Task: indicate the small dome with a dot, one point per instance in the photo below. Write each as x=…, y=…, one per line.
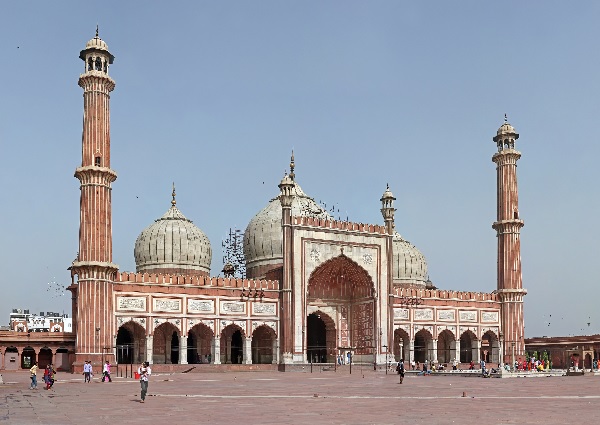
x=263, y=238
x=409, y=266
x=387, y=194
x=173, y=245
x=96, y=43
x=506, y=128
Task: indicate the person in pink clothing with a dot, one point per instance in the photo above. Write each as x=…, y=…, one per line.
x=106, y=372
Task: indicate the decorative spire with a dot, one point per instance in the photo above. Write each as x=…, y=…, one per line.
x=97, y=31
x=173, y=202
x=505, y=118
x=292, y=165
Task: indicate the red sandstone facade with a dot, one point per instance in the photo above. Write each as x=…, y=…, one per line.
x=337, y=290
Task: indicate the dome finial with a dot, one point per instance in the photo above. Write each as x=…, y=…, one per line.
x=97, y=31
x=292, y=166
x=173, y=202
x=505, y=118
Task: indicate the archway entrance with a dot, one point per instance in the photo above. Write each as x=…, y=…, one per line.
x=200, y=341
x=45, y=357
x=446, y=351
x=263, y=339
x=131, y=343
x=467, y=340
x=423, y=346
x=345, y=291
x=318, y=345
x=27, y=358
x=232, y=345
x=165, y=344
x=490, y=349
x=401, y=345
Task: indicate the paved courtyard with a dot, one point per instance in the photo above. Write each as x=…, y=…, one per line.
x=302, y=398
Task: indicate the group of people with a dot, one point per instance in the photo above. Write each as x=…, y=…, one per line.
x=88, y=372
x=49, y=376
x=143, y=372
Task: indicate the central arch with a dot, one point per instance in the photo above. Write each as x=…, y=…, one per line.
x=346, y=292
x=320, y=338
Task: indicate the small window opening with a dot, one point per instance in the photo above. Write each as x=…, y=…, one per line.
x=98, y=64
x=98, y=161
x=90, y=64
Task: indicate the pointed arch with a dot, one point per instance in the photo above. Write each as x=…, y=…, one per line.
x=340, y=278
x=490, y=347
x=263, y=341
x=446, y=346
x=467, y=345
x=131, y=343
x=200, y=342
x=232, y=344
x=165, y=344
x=423, y=346
x=401, y=345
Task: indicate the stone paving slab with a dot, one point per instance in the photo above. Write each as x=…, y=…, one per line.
x=302, y=398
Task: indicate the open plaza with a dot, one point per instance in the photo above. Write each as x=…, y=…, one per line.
x=321, y=397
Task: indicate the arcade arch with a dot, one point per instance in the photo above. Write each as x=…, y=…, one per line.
x=200, y=343
x=131, y=343
x=423, y=346
x=263, y=345
x=165, y=344
x=232, y=345
x=401, y=345
x=446, y=344
x=468, y=343
x=490, y=348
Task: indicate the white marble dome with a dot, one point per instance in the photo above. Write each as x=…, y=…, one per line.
x=173, y=245
x=409, y=266
x=96, y=43
x=263, y=237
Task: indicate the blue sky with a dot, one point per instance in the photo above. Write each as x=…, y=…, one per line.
x=215, y=95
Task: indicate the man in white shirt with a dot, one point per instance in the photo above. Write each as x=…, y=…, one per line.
x=144, y=371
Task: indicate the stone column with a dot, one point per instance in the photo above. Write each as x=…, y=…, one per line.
x=149, y=349
x=434, y=353
x=247, y=351
x=412, y=351
x=216, y=350
x=457, y=350
x=183, y=350
x=477, y=351
x=275, y=359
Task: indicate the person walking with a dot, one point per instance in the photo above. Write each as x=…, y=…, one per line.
x=33, y=372
x=400, y=369
x=87, y=371
x=144, y=371
x=106, y=372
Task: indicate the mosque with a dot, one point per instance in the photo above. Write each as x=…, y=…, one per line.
x=317, y=290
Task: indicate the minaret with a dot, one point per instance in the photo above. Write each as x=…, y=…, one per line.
x=93, y=305
x=286, y=337
x=388, y=210
x=508, y=227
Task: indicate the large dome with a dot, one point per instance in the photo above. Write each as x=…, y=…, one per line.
x=263, y=237
x=409, y=266
x=173, y=245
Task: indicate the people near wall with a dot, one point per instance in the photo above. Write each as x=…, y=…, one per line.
x=87, y=371
x=454, y=364
x=144, y=372
x=33, y=374
x=106, y=372
x=49, y=376
x=412, y=365
x=471, y=365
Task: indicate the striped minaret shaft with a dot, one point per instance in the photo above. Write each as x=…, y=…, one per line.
x=94, y=321
x=508, y=228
